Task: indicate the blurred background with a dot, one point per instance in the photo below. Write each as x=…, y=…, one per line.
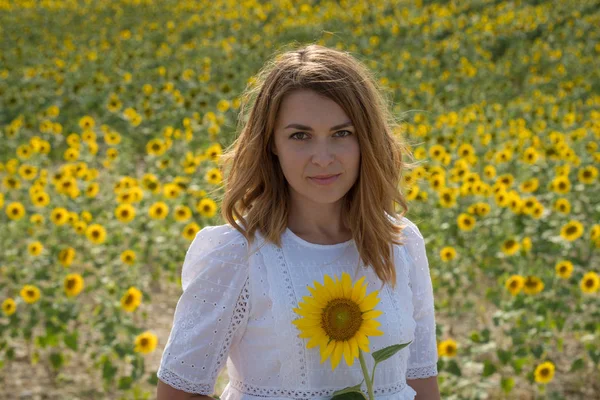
x=113, y=115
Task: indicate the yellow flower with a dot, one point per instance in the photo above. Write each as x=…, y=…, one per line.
x=339, y=317
x=125, y=212
x=514, y=284
x=158, y=210
x=544, y=372
x=590, y=282
x=73, y=284
x=190, y=230
x=30, y=294
x=510, y=247
x=156, y=147
x=87, y=122
x=564, y=269
x=96, y=233
x=182, y=213
x=207, y=207
x=66, y=256
x=572, y=230
x=533, y=285
x=59, y=216
x=448, y=253
x=587, y=175
x=145, y=342
x=465, y=222
x=213, y=176
x=15, y=211
x=35, y=248
x=447, y=348
x=9, y=306
x=132, y=299
x=171, y=190
x=213, y=152
x=128, y=257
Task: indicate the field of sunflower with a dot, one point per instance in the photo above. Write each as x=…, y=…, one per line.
x=113, y=115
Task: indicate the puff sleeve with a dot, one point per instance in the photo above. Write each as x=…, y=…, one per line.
x=211, y=313
x=422, y=361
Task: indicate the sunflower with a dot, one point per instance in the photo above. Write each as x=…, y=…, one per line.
x=514, y=284
x=145, y=342
x=447, y=348
x=544, y=372
x=572, y=230
x=73, y=284
x=125, y=212
x=190, y=230
x=132, y=299
x=9, y=306
x=448, y=253
x=510, y=247
x=533, y=285
x=96, y=233
x=339, y=317
x=564, y=269
x=207, y=207
x=59, y=216
x=590, y=282
x=30, y=294
x=158, y=210
x=66, y=256
x=465, y=222
x=35, y=248
x=128, y=257
x=15, y=210
x=182, y=213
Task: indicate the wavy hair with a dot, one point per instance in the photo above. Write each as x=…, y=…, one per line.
x=256, y=192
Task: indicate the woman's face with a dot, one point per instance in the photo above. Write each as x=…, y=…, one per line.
x=311, y=138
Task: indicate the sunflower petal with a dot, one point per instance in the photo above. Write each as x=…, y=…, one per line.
x=337, y=354
x=362, y=341
x=356, y=289
x=354, y=347
x=327, y=351
x=370, y=301
x=372, y=314
x=348, y=353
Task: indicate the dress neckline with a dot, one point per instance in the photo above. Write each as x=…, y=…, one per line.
x=298, y=239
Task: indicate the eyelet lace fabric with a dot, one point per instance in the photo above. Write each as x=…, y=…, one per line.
x=237, y=306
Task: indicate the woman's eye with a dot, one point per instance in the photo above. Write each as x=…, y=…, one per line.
x=302, y=133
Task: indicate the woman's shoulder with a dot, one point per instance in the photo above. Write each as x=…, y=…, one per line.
x=222, y=241
x=215, y=250
x=410, y=230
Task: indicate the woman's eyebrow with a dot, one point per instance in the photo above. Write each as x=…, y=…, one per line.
x=308, y=128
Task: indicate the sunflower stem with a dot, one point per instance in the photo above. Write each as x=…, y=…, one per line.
x=363, y=366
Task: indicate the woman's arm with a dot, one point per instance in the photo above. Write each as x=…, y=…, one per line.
x=426, y=388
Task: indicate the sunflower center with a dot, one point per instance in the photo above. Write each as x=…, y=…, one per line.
x=341, y=319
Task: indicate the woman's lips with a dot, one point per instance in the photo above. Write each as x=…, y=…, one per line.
x=325, y=181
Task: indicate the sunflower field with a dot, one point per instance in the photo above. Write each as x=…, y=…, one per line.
x=113, y=115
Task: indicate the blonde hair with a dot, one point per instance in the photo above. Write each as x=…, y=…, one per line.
x=256, y=192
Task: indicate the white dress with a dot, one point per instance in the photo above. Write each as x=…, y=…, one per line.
x=238, y=313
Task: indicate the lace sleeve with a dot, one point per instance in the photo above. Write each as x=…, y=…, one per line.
x=422, y=362
x=211, y=313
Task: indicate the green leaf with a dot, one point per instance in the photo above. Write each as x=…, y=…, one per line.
x=504, y=356
x=488, y=368
x=518, y=363
x=350, y=396
x=71, y=341
x=108, y=370
x=537, y=351
x=387, y=352
x=57, y=360
x=577, y=365
x=507, y=384
x=125, y=382
x=453, y=368
x=351, y=392
x=153, y=379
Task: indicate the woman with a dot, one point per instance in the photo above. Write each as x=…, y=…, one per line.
x=313, y=180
